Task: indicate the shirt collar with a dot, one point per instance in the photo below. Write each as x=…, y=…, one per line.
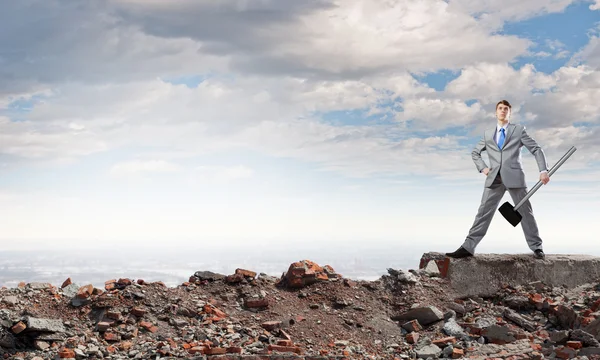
x=505, y=126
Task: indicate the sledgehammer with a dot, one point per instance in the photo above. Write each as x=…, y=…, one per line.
x=511, y=214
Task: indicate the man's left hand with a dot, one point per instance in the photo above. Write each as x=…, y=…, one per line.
x=544, y=178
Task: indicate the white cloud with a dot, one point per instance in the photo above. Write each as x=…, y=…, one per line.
x=437, y=114
x=33, y=140
x=589, y=55
x=493, y=13
x=595, y=6
x=126, y=41
x=491, y=82
x=135, y=167
x=220, y=174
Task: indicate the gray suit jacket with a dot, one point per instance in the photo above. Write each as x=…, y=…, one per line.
x=507, y=160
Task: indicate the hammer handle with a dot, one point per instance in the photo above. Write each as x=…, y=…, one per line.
x=540, y=183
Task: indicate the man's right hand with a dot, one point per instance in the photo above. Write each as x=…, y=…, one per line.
x=485, y=171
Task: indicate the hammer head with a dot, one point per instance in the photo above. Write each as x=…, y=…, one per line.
x=509, y=213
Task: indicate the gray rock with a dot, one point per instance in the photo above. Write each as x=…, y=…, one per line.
x=519, y=320
x=559, y=337
x=449, y=314
x=485, y=322
x=427, y=351
x=7, y=340
x=47, y=325
x=432, y=269
x=70, y=290
x=499, y=334
x=77, y=302
x=518, y=302
x=451, y=328
x=406, y=277
x=589, y=351
x=456, y=307
x=41, y=345
x=39, y=286
x=424, y=315
x=11, y=300
x=208, y=275
x=586, y=339
x=447, y=352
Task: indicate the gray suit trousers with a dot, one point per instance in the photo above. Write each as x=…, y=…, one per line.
x=489, y=204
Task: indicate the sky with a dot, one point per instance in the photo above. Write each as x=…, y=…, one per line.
x=174, y=124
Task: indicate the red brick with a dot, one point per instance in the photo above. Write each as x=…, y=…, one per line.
x=148, y=326
x=457, y=353
x=536, y=347
x=412, y=325
x=444, y=341
x=280, y=348
x=124, y=281
x=103, y=326
x=285, y=342
x=256, y=303
x=215, y=351
x=271, y=325
x=412, y=338
x=587, y=320
x=20, y=326
x=138, y=311
x=113, y=314
x=84, y=292
x=197, y=350
x=111, y=336
x=564, y=352
x=443, y=266
x=66, y=283
x=245, y=273
x=595, y=305
x=234, y=350
x=66, y=354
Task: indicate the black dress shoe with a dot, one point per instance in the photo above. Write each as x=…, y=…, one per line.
x=460, y=253
x=539, y=254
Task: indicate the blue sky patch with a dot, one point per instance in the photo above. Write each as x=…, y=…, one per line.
x=191, y=81
x=558, y=34
x=437, y=80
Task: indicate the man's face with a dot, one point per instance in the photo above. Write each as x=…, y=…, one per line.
x=502, y=112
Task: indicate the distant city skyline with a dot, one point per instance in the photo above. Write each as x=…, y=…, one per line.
x=179, y=123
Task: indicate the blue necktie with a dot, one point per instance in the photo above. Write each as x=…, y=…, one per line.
x=501, y=140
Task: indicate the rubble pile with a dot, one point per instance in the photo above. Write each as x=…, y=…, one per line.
x=310, y=312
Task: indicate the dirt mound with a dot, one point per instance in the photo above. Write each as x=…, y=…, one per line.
x=310, y=312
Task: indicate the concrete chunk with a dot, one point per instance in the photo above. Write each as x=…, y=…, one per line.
x=485, y=274
x=49, y=325
x=424, y=315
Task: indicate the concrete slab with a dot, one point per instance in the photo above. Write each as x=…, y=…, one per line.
x=484, y=274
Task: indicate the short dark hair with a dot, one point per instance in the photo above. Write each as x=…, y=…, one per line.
x=503, y=102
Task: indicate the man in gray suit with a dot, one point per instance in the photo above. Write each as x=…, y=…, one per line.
x=503, y=145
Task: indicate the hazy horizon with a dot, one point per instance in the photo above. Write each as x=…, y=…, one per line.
x=365, y=260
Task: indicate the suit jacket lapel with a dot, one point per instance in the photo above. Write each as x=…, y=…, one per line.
x=490, y=135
